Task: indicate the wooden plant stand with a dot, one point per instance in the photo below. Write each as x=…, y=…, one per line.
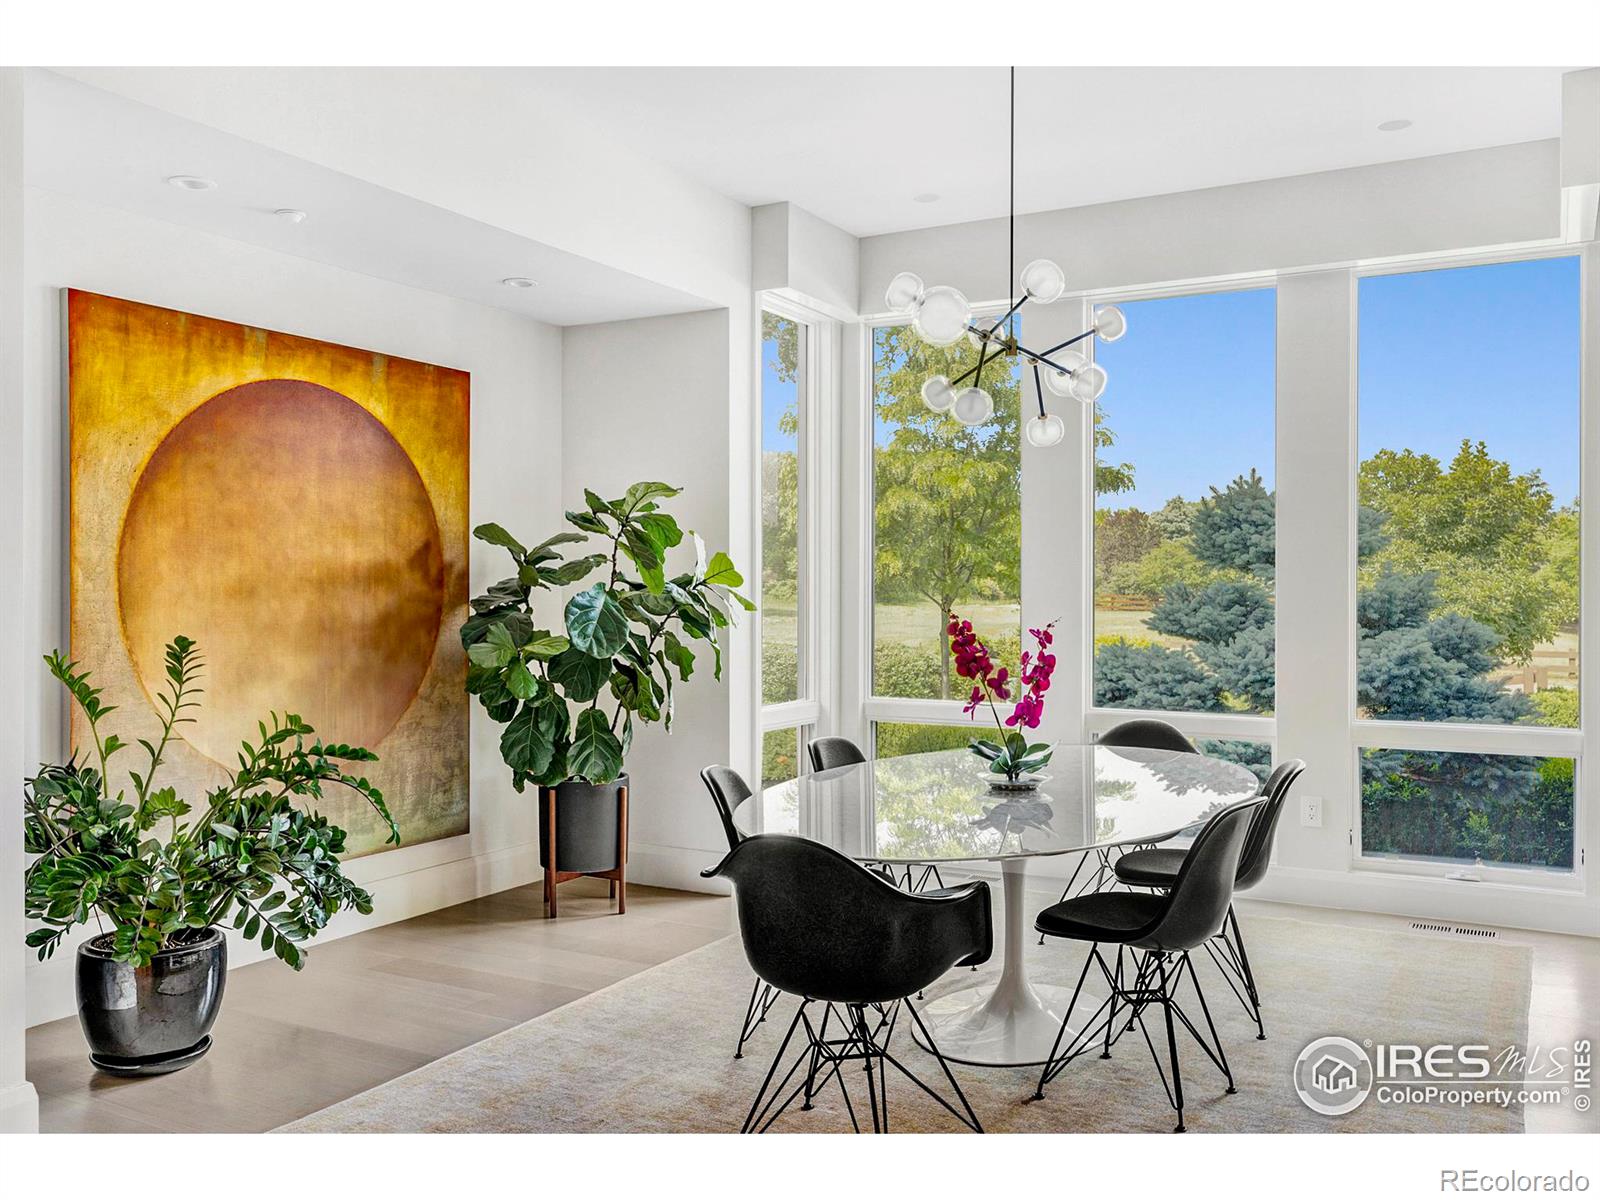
x=618, y=875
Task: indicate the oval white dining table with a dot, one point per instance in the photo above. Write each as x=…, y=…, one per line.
x=942, y=808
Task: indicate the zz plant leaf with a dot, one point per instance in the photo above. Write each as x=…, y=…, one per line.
x=570, y=700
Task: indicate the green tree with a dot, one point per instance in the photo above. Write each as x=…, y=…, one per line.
x=948, y=496
x=1498, y=548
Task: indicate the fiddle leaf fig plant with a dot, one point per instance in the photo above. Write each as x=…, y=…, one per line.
x=152, y=870
x=569, y=699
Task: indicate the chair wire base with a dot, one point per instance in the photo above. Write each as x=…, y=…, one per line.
x=846, y=1033
x=1156, y=976
x=762, y=997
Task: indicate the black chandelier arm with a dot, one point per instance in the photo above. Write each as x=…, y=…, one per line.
x=1072, y=341
x=1038, y=386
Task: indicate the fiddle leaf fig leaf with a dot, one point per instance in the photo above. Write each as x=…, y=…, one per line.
x=547, y=647
x=596, y=753
x=663, y=530
x=579, y=675
x=528, y=742
x=495, y=535
x=520, y=681
x=596, y=623
x=587, y=521
x=640, y=492
x=720, y=572
x=496, y=650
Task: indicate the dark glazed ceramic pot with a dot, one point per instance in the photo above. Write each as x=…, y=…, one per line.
x=586, y=825
x=155, y=1019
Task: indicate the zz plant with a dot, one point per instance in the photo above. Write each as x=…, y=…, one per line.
x=569, y=700
x=248, y=854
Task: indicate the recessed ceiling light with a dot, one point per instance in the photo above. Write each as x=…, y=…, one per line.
x=1395, y=126
x=192, y=183
x=926, y=197
x=292, y=215
x=518, y=281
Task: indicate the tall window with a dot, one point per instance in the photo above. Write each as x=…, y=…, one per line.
x=947, y=517
x=1467, y=573
x=783, y=604
x=1185, y=513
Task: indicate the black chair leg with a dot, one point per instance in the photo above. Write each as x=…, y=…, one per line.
x=756, y=1109
x=1249, y=975
x=762, y=997
x=1172, y=1043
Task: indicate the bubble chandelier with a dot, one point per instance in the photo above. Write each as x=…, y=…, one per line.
x=942, y=316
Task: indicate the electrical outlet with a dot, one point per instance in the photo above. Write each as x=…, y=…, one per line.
x=1311, y=812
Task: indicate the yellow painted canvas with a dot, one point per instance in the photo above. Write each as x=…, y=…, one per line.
x=300, y=510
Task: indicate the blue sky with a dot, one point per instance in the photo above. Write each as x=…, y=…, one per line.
x=1485, y=352
x=776, y=396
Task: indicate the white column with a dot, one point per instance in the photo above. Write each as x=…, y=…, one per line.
x=19, y=1107
x=1057, y=516
x=1316, y=547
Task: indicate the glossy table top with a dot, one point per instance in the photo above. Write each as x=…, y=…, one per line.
x=941, y=807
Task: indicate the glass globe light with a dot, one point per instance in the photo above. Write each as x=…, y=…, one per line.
x=1046, y=431
x=1043, y=281
x=1109, y=323
x=1088, y=382
x=937, y=393
x=973, y=406
x=943, y=317
x=1058, y=382
x=904, y=293
x=1068, y=360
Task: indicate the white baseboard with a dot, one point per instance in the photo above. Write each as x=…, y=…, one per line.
x=19, y=1109
x=52, y=991
x=1435, y=899
x=674, y=867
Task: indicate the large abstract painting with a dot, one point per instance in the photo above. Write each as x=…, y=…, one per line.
x=297, y=508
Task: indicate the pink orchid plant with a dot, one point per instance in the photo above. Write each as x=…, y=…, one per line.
x=1012, y=755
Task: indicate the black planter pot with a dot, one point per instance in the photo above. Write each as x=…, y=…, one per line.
x=583, y=830
x=155, y=1019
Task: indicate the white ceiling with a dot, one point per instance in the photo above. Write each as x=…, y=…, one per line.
x=855, y=145
x=108, y=150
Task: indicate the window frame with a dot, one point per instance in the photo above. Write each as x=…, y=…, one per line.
x=1477, y=737
x=1097, y=720
x=817, y=394
x=874, y=708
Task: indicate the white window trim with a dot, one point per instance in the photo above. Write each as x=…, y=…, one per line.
x=1489, y=739
x=815, y=600
x=870, y=705
x=1253, y=727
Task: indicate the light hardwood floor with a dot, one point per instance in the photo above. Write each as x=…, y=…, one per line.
x=373, y=1006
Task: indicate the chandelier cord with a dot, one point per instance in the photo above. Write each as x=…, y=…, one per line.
x=1011, y=278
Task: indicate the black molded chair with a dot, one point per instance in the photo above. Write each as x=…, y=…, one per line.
x=1142, y=733
x=1149, y=734
x=1153, y=933
x=819, y=926
x=1159, y=867
x=729, y=790
x=828, y=753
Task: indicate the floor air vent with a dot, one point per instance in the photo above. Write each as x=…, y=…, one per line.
x=1457, y=930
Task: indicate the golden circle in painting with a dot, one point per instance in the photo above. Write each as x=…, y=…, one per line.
x=283, y=528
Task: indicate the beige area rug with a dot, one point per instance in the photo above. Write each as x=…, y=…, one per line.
x=653, y=1053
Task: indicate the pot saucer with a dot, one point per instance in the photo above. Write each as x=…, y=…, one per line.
x=155, y=1064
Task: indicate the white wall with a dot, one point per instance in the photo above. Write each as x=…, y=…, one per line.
x=515, y=477
x=1482, y=198
x=19, y=1107
x=651, y=399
